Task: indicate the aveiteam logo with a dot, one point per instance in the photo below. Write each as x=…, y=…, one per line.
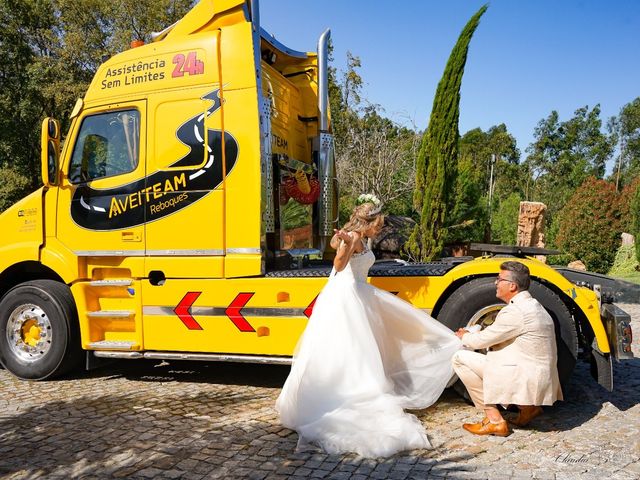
x=163, y=192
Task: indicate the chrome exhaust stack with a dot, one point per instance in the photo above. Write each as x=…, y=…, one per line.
x=323, y=80
x=328, y=201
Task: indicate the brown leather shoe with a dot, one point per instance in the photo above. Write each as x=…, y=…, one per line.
x=527, y=413
x=487, y=428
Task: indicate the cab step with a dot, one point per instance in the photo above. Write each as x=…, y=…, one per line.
x=111, y=282
x=111, y=314
x=113, y=345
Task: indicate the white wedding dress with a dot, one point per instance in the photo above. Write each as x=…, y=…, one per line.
x=364, y=357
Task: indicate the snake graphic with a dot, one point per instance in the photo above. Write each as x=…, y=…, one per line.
x=149, y=199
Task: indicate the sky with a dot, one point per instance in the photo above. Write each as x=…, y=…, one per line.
x=526, y=58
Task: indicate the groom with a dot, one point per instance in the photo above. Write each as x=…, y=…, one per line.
x=520, y=365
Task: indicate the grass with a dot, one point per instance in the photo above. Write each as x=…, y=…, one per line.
x=627, y=277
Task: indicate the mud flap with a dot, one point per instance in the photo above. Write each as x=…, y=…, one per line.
x=602, y=368
x=92, y=362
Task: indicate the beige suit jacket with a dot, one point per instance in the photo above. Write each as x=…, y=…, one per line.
x=521, y=362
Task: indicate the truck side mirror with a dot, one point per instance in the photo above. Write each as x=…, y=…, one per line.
x=50, y=155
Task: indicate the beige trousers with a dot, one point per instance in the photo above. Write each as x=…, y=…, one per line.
x=469, y=366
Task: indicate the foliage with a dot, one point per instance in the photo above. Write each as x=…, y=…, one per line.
x=12, y=187
x=373, y=154
x=352, y=82
x=590, y=225
x=494, y=158
x=625, y=262
x=635, y=219
x=340, y=91
x=49, y=52
x=504, y=222
x=626, y=265
x=626, y=130
x=468, y=217
x=375, y=157
x=480, y=146
x=25, y=28
x=551, y=232
x=627, y=208
x=629, y=277
x=435, y=167
x=564, y=154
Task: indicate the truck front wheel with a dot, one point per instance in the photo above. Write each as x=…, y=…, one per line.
x=475, y=302
x=38, y=330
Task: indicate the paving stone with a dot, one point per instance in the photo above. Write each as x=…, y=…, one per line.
x=319, y=474
x=339, y=476
x=303, y=472
x=149, y=472
x=171, y=474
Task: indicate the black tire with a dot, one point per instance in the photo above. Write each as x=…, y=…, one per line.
x=479, y=295
x=41, y=312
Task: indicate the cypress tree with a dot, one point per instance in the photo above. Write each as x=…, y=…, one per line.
x=436, y=165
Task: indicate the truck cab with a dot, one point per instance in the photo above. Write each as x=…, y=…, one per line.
x=205, y=156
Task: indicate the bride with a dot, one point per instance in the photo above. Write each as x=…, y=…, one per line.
x=364, y=357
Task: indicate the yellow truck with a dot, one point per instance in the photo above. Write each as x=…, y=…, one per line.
x=188, y=212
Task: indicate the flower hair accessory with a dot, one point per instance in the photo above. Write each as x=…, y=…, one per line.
x=370, y=198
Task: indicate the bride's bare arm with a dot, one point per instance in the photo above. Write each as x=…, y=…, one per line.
x=346, y=248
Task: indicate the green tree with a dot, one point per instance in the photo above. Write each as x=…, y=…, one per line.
x=626, y=205
x=480, y=146
x=564, y=154
x=504, y=221
x=626, y=128
x=25, y=31
x=468, y=218
x=12, y=187
x=373, y=154
x=495, y=157
x=49, y=52
x=630, y=211
x=344, y=98
x=590, y=224
x=635, y=216
x=436, y=162
x=376, y=157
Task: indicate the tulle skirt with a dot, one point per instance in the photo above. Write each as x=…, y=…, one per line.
x=365, y=356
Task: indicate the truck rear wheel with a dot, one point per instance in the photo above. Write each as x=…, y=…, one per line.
x=38, y=330
x=475, y=302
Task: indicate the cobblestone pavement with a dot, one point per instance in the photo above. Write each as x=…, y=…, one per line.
x=192, y=421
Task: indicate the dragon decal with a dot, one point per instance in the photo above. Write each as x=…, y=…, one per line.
x=163, y=192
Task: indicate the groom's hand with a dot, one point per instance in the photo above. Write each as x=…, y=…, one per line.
x=460, y=332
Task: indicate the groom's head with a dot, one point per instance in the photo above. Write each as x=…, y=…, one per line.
x=512, y=279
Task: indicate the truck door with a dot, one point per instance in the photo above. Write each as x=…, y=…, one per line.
x=185, y=178
x=101, y=197
x=187, y=165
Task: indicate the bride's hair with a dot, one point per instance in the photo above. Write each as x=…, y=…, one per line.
x=364, y=216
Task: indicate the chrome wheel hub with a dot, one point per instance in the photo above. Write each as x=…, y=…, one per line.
x=486, y=315
x=29, y=333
